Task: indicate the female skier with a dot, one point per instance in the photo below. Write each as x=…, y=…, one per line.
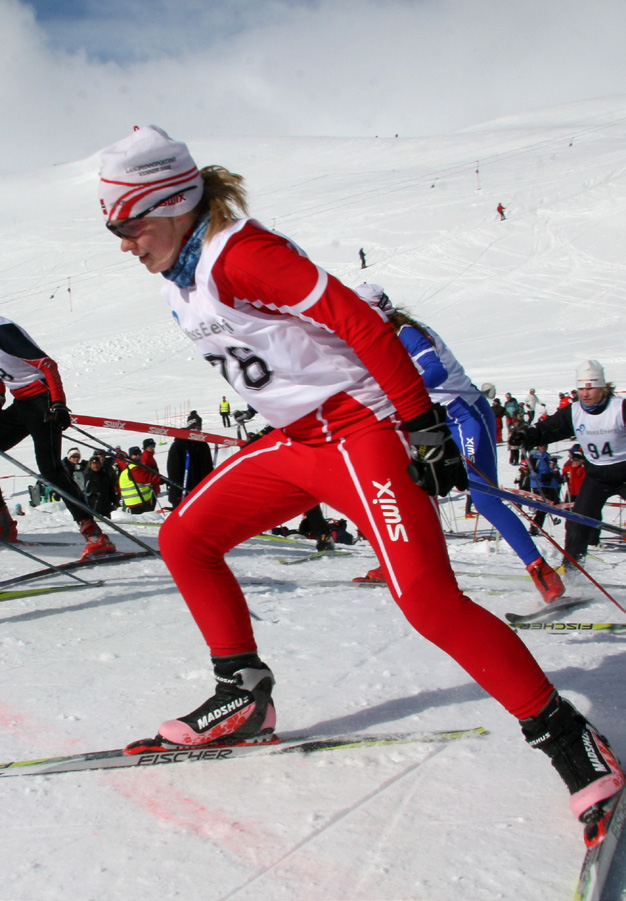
x=473, y=426
x=351, y=416
x=598, y=422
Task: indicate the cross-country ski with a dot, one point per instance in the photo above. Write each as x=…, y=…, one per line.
x=550, y=611
x=152, y=754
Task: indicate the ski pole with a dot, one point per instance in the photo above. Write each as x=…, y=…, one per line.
x=489, y=488
x=57, y=569
x=185, y=490
x=505, y=495
x=82, y=506
x=123, y=456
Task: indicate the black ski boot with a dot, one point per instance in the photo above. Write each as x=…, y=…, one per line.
x=581, y=756
x=325, y=542
x=241, y=710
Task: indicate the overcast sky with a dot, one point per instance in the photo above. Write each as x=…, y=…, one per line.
x=76, y=75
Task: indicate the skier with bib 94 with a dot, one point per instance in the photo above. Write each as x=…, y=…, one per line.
x=598, y=422
x=353, y=427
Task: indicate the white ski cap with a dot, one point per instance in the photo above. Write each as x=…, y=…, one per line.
x=590, y=374
x=375, y=296
x=145, y=169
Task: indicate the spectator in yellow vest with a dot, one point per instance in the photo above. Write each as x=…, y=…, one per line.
x=135, y=487
x=225, y=412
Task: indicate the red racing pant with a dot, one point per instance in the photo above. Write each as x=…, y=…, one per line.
x=364, y=476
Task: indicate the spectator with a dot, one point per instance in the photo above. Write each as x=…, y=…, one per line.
x=512, y=442
x=188, y=463
x=545, y=480
x=499, y=412
x=523, y=479
x=148, y=460
x=511, y=410
x=225, y=412
x=99, y=490
x=574, y=472
x=531, y=402
x=75, y=468
x=136, y=488
x=564, y=400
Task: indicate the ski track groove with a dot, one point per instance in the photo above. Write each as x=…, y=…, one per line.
x=329, y=824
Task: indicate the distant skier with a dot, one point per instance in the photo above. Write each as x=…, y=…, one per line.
x=501, y=210
x=39, y=410
x=362, y=257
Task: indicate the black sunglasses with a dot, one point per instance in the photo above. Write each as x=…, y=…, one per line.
x=126, y=229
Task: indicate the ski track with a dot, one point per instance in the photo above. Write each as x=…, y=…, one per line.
x=331, y=823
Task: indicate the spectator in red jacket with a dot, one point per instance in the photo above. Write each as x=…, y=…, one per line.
x=574, y=472
x=564, y=400
x=148, y=459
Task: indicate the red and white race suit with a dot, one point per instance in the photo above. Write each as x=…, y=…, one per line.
x=330, y=374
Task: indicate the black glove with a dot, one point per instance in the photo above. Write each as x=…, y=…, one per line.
x=437, y=463
x=243, y=415
x=2, y=400
x=526, y=437
x=60, y=415
x=256, y=435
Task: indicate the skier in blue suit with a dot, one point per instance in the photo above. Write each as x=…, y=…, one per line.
x=473, y=427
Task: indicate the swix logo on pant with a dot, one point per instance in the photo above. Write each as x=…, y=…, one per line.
x=470, y=448
x=386, y=501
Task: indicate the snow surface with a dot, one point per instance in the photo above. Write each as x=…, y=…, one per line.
x=520, y=302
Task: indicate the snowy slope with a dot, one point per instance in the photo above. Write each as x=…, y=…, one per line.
x=520, y=302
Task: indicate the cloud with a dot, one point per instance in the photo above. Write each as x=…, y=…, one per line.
x=74, y=83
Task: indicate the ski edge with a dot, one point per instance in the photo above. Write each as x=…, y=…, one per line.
x=560, y=627
x=313, y=556
x=550, y=611
x=116, y=758
x=598, y=860
x=49, y=589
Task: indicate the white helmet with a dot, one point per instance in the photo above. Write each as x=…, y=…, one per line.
x=590, y=374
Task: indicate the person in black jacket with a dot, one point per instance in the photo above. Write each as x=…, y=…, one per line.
x=99, y=489
x=39, y=409
x=598, y=422
x=188, y=462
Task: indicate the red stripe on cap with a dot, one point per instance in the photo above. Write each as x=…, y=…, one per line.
x=125, y=206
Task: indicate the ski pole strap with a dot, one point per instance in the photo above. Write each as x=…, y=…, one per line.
x=124, y=457
x=504, y=495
